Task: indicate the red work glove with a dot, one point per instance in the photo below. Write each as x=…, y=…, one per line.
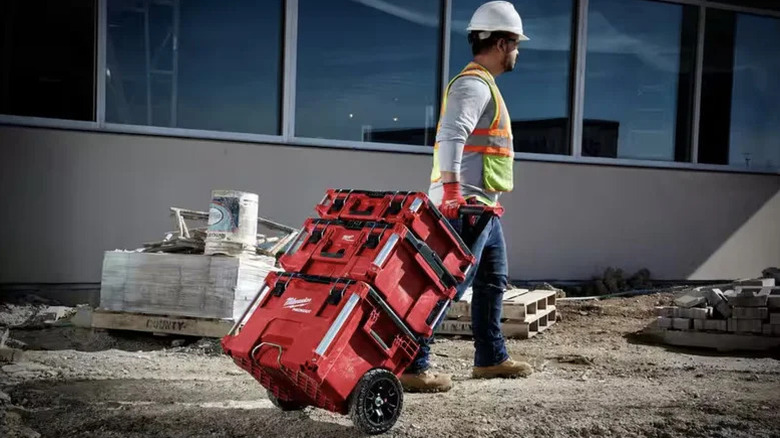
x=452, y=200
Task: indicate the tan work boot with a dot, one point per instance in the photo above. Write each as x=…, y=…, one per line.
x=426, y=381
x=508, y=368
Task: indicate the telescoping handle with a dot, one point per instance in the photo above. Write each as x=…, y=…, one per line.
x=476, y=210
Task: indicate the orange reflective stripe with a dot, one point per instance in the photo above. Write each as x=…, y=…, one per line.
x=493, y=132
x=489, y=150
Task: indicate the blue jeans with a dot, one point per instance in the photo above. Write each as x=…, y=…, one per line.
x=488, y=280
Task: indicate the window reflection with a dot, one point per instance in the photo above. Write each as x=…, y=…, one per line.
x=200, y=64
x=740, y=119
x=638, y=81
x=368, y=70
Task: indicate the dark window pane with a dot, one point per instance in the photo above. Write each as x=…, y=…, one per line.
x=199, y=64
x=760, y=4
x=368, y=70
x=740, y=120
x=638, y=80
x=47, y=58
x=537, y=91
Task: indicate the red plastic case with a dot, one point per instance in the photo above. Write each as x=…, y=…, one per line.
x=405, y=271
x=412, y=209
x=310, y=339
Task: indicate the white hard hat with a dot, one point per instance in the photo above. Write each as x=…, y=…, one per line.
x=497, y=16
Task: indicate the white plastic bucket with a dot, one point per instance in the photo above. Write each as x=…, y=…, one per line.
x=232, y=223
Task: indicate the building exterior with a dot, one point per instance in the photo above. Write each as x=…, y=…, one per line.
x=647, y=133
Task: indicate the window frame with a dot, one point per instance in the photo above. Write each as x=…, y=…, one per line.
x=288, y=81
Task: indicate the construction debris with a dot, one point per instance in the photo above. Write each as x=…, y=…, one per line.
x=190, y=238
x=747, y=311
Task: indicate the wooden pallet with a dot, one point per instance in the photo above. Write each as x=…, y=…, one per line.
x=524, y=315
x=516, y=305
x=165, y=324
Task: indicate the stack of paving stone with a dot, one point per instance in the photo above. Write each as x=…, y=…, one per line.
x=744, y=307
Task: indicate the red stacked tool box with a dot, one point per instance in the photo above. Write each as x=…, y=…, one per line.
x=310, y=340
x=363, y=284
x=412, y=209
x=404, y=270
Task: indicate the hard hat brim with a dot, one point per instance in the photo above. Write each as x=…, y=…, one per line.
x=519, y=32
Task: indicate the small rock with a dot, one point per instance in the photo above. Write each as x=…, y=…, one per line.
x=178, y=342
x=5, y=399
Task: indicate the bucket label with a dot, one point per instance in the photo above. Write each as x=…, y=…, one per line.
x=223, y=214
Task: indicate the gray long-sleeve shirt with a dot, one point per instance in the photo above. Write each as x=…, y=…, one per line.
x=467, y=100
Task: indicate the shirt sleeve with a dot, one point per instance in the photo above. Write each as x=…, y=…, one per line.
x=467, y=99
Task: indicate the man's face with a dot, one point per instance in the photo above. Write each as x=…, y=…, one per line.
x=509, y=50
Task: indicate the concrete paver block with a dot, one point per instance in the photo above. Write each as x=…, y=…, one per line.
x=771, y=329
x=745, y=325
x=698, y=324
x=691, y=299
x=718, y=301
x=750, y=313
x=720, y=325
x=666, y=312
x=760, y=282
x=664, y=322
x=682, y=323
x=774, y=318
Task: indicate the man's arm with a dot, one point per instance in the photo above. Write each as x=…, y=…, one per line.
x=468, y=97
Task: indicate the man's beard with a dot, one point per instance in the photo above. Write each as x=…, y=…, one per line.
x=509, y=64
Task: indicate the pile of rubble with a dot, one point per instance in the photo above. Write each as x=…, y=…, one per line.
x=743, y=307
x=191, y=226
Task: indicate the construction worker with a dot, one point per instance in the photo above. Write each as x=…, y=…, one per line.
x=472, y=164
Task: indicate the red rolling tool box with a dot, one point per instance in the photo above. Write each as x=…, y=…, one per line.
x=332, y=343
x=404, y=270
x=363, y=284
x=412, y=209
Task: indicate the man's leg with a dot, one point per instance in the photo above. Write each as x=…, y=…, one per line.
x=490, y=356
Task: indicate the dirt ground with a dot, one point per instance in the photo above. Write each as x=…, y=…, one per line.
x=593, y=378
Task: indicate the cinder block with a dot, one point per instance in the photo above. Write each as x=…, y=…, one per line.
x=751, y=297
x=716, y=299
x=771, y=330
x=691, y=299
x=698, y=324
x=664, y=322
x=697, y=313
x=760, y=282
x=750, y=313
x=666, y=312
x=718, y=325
x=682, y=323
x=745, y=325
x=774, y=318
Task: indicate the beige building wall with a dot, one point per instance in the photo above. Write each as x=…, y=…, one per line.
x=68, y=196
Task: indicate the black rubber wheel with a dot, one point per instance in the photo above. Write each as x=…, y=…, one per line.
x=285, y=405
x=376, y=401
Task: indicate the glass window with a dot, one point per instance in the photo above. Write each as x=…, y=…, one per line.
x=537, y=91
x=368, y=70
x=198, y=64
x=639, y=80
x=47, y=58
x=740, y=115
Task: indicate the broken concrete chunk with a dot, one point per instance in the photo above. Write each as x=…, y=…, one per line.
x=718, y=301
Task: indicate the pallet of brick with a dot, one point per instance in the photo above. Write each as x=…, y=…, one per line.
x=192, y=285
x=524, y=315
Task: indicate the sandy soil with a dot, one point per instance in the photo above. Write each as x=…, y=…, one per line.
x=592, y=379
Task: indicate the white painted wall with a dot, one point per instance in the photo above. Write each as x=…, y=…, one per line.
x=68, y=196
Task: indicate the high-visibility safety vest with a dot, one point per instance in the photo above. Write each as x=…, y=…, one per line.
x=492, y=136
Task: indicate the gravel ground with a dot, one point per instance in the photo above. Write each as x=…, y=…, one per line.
x=593, y=378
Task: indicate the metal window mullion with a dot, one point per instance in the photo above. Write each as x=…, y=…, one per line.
x=100, y=67
x=446, y=42
x=175, y=72
x=578, y=89
x=289, y=69
x=698, y=78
